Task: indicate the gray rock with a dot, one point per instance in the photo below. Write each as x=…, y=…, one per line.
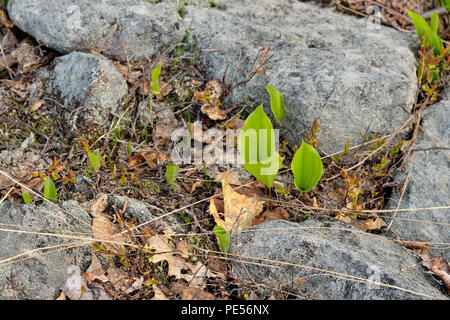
x=349, y=73
x=121, y=29
x=134, y=208
x=334, y=247
x=89, y=87
x=140, y=211
x=428, y=184
x=41, y=277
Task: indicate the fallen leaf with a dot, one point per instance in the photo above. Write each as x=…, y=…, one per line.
x=190, y=293
x=211, y=97
x=278, y=213
x=376, y=224
x=159, y=295
x=62, y=296
x=118, y=278
x=196, y=185
x=27, y=56
x=440, y=268
x=214, y=112
x=37, y=105
x=240, y=210
x=370, y=224
x=178, y=266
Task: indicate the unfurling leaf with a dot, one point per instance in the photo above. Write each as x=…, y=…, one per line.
x=256, y=144
x=50, y=190
x=307, y=167
x=171, y=173
x=223, y=238
x=276, y=103
x=155, y=80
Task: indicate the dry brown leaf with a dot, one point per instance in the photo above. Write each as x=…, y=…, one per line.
x=177, y=264
x=37, y=105
x=62, y=296
x=215, y=89
x=26, y=55
x=148, y=157
x=95, y=271
x=119, y=279
x=231, y=179
x=420, y=249
x=276, y=214
x=214, y=112
x=189, y=293
x=159, y=295
x=440, y=268
x=102, y=227
x=240, y=210
x=193, y=83
x=376, y=224
x=372, y=223
x=196, y=185
x=165, y=88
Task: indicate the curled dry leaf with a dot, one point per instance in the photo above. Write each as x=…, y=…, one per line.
x=214, y=112
x=211, y=97
x=240, y=210
x=440, y=268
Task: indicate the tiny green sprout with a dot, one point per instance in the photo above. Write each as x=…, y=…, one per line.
x=171, y=173
x=276, y=103
x=50, y=190
x=129, y=148
x=429, y=32
x=155, y=80
x=256, y=143
x=26, y=197
x=307, y=167
x=94, y=157
x=223, y=238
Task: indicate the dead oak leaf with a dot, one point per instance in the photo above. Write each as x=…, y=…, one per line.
x=177, y=264
x=239, y=210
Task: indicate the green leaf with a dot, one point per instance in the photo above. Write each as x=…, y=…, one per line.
x=431, y=33
x=155, y=80
x=276, y=103
x=256, y=144
x=129, y=148
x=94, y=159
x=223, y=238
x=446, y=4
x=307, y=167
x=171, y=173
x=420, y=23
x=50, y=190
x=26, y=197
x=434, y=22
